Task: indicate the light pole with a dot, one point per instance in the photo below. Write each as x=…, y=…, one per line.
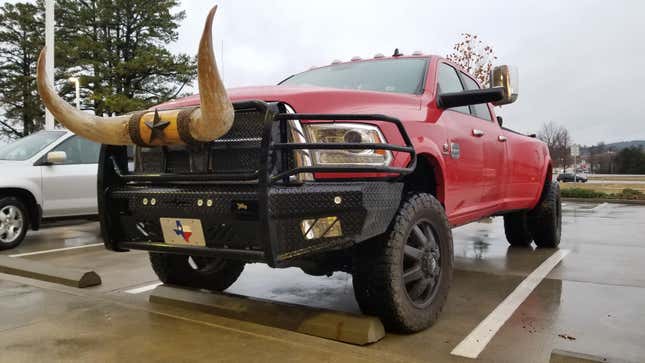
x=77, y=84
x=49, y=56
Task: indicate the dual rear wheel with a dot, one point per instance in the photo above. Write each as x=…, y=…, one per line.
x=542, y=225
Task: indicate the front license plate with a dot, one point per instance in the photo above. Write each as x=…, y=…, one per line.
x=183, y=232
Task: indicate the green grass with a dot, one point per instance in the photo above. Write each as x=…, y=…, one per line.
x=627, y=193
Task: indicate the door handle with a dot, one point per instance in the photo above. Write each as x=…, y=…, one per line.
x=478, y=133
x=502, y=138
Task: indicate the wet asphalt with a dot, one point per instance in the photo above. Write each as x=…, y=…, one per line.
x=592, y=302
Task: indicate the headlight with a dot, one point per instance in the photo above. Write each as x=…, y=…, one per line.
x=351, y=134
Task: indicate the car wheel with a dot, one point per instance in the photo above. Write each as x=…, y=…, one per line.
x=516, y=228
x=13, y=222
x=208, y=273
x=545, y=220
x=404, y=275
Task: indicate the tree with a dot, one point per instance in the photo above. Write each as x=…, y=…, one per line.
x=117, y=47
x=630, y=160
x=21, y=37
x=474, y=56
x=558, y=140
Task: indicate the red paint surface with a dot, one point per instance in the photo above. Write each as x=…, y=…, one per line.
x=489, y=176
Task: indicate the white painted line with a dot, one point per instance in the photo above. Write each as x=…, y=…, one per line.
x=145, y=288
x=599, y=206
x=56, y=250
x=479, y=338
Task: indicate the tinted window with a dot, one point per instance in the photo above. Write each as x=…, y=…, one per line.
x=391, y=75
x=29, y=146
x=80, y=151
x=481, y=110
x=449, y=81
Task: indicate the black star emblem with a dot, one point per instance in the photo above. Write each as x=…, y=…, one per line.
x=156, y=127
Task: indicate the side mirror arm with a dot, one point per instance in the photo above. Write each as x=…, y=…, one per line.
x=472, y=97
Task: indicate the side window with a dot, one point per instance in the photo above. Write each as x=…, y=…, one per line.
x=481, y=110
x=79, y=150
x=449, y=81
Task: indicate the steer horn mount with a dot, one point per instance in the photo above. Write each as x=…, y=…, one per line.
x=206, y=123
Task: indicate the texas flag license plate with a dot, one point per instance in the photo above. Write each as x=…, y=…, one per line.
x=183, y=232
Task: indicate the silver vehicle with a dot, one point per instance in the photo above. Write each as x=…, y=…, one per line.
x=47, y=175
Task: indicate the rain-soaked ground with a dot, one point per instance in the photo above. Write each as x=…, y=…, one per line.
x=592, y=302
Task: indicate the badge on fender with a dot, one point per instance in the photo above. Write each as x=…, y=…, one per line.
x=455, y=150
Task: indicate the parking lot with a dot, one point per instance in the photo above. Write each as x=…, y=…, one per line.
x=591, y=302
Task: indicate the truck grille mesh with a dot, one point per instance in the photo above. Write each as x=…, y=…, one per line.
x=236, y=151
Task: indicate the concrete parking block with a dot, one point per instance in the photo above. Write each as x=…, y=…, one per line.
x=564, y=356
x=344, y=327
x=46, y=272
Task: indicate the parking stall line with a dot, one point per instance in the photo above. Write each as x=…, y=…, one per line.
x=55, y=250
x=479, y=338
x=142, y=289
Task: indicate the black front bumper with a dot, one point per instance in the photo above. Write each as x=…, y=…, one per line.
x=236, y=226
x=242, y=187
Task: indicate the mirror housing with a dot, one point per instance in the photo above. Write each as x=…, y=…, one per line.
x=467, y=98
x=56, y=157
x=507, y=78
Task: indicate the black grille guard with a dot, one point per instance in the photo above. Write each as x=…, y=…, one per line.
x=273, y=171
x=266, y=174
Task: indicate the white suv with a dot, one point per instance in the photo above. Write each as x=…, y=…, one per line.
x=47, y=175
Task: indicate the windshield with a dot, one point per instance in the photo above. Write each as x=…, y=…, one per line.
x=29, y=146
x=404, y=75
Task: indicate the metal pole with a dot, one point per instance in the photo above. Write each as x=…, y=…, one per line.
x=78, y=94
x=77, y=85
x=49, y=56
x=575, y=151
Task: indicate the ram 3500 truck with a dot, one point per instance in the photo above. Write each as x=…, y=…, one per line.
x=362, y=167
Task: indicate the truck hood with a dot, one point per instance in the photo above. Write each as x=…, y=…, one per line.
x=319, y=100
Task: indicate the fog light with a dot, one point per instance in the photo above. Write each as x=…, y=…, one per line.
x=326, y=227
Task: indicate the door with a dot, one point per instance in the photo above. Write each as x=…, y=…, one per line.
x=69, y=187
x=494, y=145
x=463, y=152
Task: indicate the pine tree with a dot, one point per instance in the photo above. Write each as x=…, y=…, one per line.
x=118, y=47
x=21, y=37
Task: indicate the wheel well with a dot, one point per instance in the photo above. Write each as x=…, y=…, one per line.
x=547, y=181
x=426, y=178
x=30, y=202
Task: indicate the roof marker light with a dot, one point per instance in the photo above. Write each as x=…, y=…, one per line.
x=379, y=55
x=356, y=58
x=417, y=52
x=336, y=61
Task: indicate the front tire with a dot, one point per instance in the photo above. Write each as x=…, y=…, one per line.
x=213, y=274
x=545, y=220
x=404, y=275
x=13, y=222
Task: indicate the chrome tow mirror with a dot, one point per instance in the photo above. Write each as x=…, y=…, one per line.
x=507, y=78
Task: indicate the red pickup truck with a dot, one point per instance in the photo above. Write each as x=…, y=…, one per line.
x=362, y=167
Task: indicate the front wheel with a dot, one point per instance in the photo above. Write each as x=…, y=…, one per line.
x=215, y=274
x=404, y=275
x=13, y=222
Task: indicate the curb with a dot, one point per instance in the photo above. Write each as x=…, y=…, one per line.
x=565, y=356
x=46, y=272
x=600, y=200
x=340, y=326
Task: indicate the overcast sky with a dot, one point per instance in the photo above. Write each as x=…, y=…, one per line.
x=581, y=62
